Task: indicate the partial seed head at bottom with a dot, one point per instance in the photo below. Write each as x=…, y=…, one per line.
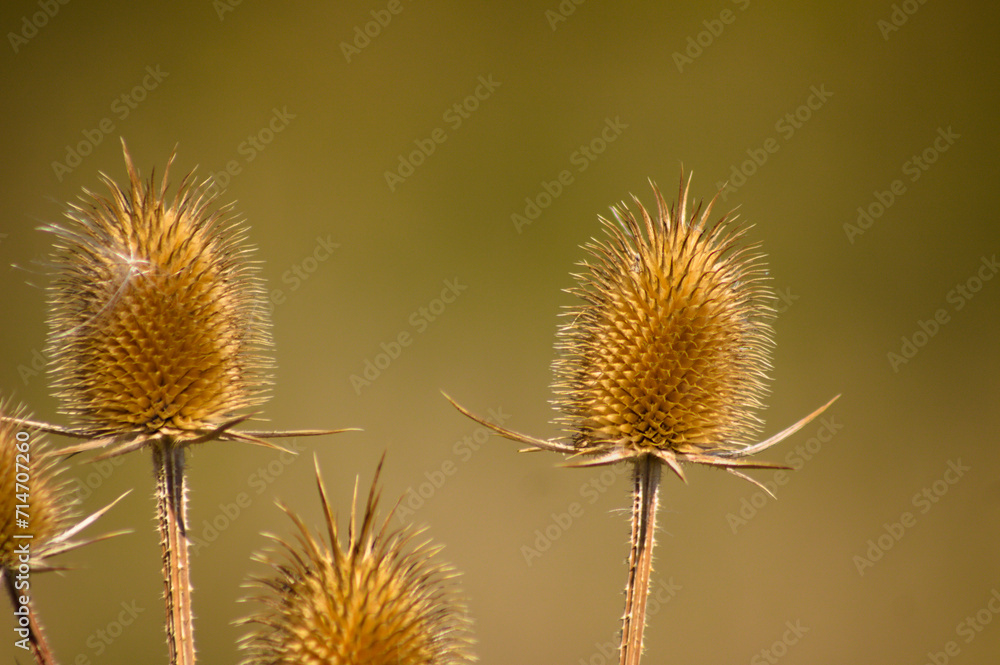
x=381, y=598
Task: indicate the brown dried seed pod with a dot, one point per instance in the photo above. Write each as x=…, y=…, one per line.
x=381, y=599
x=49, y=508
x=667, y=357
x=38, y=519
x=670, y=348
x=31, y=481
x=158, y=320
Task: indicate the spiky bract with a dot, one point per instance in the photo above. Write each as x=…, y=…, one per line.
x=670, y=349
x=157, y=317
x=381, y=599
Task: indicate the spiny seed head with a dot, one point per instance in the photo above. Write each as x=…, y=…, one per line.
x=157, y=317
x=383, y=599
x=670, y=349
x=30, y=479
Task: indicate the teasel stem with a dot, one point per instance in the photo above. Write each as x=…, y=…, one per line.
x=645, y=501
x=36, y=637
x=171, y=509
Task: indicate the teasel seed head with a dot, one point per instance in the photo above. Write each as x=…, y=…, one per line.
x=670, y=348
x=157, y=318
x=380, y=598
x=31, y=479
x=668, y=354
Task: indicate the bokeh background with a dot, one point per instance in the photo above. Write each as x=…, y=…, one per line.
x=844, y=95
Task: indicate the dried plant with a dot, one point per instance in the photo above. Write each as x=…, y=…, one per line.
x=159, y=340
x=381, y=598
x=664, y=363
x=38, y=520
x=159, y=329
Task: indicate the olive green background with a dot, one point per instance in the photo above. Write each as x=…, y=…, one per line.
x=321, y=180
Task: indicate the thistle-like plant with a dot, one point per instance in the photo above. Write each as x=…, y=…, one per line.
x=158, y=337
x=38, y=520
x=380, y=598
x=664, y=364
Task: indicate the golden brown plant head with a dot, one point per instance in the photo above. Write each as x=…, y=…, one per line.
x=158, y=320
x=667, y=357
x=669, y=351
x=31, y=490
x=380, y=599
x=29, y=472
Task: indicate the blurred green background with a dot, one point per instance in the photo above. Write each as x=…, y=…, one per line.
x=833, y=100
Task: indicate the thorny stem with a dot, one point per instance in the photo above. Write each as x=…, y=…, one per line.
x=645, y=499
x=36, y=638
x=171, y=509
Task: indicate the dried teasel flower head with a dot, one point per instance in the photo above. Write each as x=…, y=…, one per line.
x=38, y=510
x=667, y=356
x=158, y=320
x=380, y=598
x=670, y=348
